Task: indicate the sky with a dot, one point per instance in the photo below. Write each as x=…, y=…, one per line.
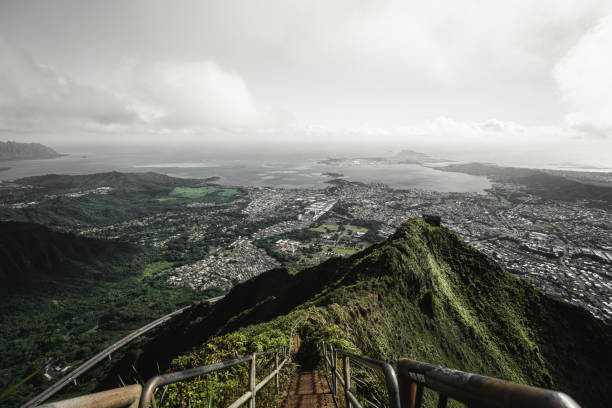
x=526, y=80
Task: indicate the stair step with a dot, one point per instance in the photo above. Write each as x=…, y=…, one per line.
x=308, y=390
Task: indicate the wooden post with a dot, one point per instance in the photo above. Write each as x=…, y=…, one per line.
x=252, y=381
x=277, y=373
x=347, y=380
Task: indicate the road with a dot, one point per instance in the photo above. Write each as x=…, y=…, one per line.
x=72, y=376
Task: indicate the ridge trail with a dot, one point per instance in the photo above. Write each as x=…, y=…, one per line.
x=308, y=390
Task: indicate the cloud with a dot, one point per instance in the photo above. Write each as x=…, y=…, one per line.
x=584, y=79
x=154, y=97
x=341, y=62
x=462, y=75
x=33, y=95
x=196, y=95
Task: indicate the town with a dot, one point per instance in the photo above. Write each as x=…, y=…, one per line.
x=562, y=247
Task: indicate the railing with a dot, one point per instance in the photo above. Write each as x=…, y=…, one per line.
x=117, y=398
x=136, y=396
x=330, y=356
x=165, y=379
x=472, y=389
x=406, y=389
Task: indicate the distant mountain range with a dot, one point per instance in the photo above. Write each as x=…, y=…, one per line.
x=26, y=151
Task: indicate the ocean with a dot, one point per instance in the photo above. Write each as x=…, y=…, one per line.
x=303, y=173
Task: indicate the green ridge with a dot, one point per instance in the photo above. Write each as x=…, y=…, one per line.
x=423, y=293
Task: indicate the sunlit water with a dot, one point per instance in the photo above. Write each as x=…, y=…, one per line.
x=297, y=174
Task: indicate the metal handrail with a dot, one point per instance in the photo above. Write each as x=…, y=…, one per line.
x=472, y=389
x=153, y=383
x=350, y=398
x=468, y=388
x=116, y=398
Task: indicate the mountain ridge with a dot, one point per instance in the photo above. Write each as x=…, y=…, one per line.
x=423, y=293
x=31, y=253
x=10, y=150
x=539, y=182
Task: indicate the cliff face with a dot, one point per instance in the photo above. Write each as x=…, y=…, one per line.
x=424, y=294
x=24, y=151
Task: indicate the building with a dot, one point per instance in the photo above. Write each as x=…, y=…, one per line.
x=433, y=220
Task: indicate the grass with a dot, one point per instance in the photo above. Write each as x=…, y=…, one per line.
x=192, y=192
x=325, y=228
x=336, y=227
x=504, y=202
x=339, y=251
x=343, y=251
x=198, y=193
x=228, y=192
x=356, y=229
x=154, y=268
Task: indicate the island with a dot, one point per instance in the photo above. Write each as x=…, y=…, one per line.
x=403, y=157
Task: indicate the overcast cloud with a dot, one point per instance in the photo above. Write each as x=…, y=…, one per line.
x=470, y=74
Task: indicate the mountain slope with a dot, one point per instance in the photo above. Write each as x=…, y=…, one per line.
x=25, y=151
x=424, y=294
x=31, y=253
x=71, y=200
x=148, y=182
x=539, y=182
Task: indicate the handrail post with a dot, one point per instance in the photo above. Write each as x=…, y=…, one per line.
x=252, y=381
x=324, y=354
x=333, y=367
x=276, y=369
x=347, y=380
x=407, y=390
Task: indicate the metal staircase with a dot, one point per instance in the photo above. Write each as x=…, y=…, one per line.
x=404, y=387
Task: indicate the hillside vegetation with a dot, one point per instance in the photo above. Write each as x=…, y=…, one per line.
x=70, y=202
x=67, y=297
x=423, y=293
x=31, y=254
